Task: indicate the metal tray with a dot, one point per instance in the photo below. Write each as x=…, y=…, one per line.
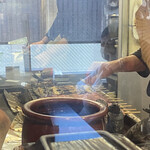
x=106, y=141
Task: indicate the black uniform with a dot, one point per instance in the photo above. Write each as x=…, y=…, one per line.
x=143, y=73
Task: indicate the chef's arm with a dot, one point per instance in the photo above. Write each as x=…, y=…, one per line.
x=126, y=64
x=129, y=64
x=105, y=69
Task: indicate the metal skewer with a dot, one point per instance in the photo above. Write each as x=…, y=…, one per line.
x=115, y=100
x=122, y=103
x=125, y=105
x=132, y=112
x=127, y=109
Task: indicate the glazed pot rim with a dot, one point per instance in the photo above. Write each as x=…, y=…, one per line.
x=31, y=114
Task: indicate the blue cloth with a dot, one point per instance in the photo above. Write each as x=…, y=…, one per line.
x=79, y=21
x=72, y=125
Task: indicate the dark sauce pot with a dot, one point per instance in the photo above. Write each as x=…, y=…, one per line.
x=54, y=115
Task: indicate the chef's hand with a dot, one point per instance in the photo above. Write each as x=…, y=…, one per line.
x=43, y=41
x=104, y=70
